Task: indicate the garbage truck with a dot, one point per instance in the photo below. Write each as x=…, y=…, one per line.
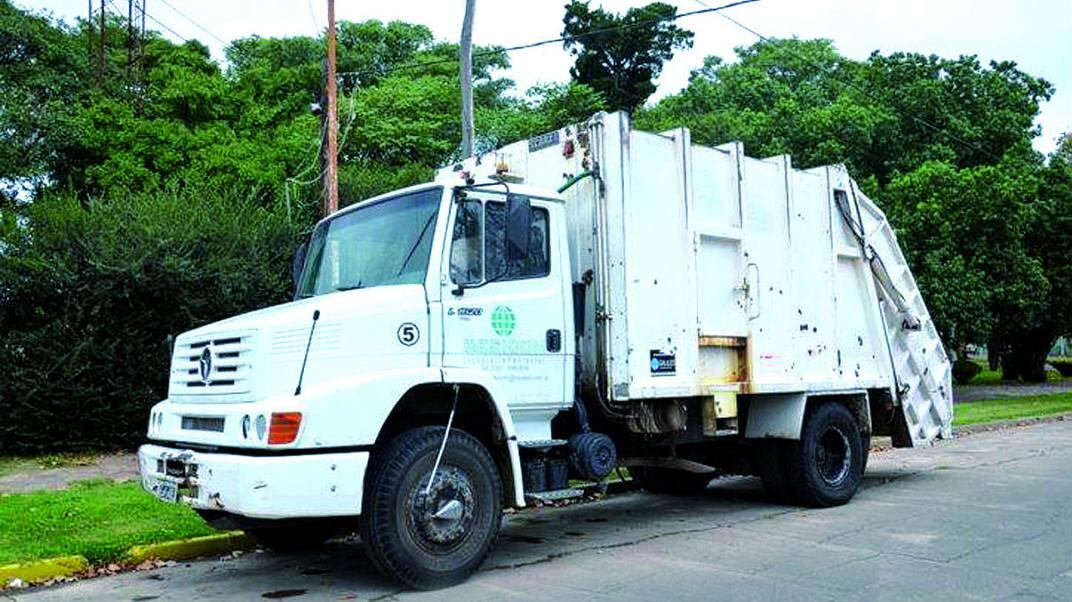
x=592, y=298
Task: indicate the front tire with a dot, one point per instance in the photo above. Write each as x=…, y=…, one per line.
x=433, y=540
x=825, y=465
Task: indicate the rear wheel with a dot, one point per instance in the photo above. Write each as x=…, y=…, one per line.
x=435, y=536
x=825, y=465
x=673, y=482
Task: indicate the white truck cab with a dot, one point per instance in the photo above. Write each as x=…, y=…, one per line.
x=473, y=343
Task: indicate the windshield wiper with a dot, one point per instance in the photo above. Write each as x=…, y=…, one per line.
x=416, y=244
x=350, y=287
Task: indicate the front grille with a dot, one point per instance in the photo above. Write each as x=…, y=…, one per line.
x=213, y=364
x=202, y=423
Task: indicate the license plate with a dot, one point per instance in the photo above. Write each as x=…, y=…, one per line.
x=163, y=490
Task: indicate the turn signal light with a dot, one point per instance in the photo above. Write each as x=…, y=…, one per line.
x=284, y=427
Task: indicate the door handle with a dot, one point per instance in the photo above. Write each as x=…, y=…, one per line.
x=554, y=340
x=752, y=300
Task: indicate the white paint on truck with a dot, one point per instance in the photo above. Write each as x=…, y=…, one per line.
x=705, y=309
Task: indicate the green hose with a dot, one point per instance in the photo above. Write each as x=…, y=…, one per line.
x=577, y=178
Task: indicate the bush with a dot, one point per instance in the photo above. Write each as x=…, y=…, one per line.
x=90, y=291
x=965, y=370
x=1062, y=365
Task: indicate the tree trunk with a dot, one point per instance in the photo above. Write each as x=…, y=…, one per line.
x=1025, y=358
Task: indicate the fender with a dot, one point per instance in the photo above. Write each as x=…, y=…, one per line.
x=781, y=415
x=498, y=397
x=350, y=410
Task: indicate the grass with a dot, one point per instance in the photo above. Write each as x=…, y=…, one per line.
x=975, y=412
x=13, y=464
x=993, y=377
x=97, y=519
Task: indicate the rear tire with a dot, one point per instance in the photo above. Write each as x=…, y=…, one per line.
x=673, y=482
x=825, y=465
x=438, y=540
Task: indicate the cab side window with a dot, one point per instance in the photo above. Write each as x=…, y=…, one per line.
x=478, y=249
x=535, y=263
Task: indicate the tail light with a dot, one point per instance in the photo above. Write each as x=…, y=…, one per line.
x=284, y=427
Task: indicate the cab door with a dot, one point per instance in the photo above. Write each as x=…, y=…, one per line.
x=504, y=316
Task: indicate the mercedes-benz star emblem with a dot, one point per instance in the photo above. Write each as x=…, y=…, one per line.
x=205, y=365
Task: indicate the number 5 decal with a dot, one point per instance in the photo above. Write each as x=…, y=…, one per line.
x=408, y=334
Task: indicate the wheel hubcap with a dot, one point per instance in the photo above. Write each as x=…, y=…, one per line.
x=833, y=456
x=444, y=515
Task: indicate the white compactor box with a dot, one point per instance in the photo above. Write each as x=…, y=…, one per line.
x=710, y=272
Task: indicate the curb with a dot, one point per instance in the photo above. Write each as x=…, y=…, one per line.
x=182, y=549
x=43, y=570
x=185, y=549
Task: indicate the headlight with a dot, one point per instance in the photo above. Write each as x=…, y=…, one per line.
x=246, y=424
x=262, y=426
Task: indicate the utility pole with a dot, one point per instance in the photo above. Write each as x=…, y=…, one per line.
x=467, y=79
x=331, y=176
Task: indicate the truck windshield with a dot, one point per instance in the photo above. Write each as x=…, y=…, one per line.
x=384, y=243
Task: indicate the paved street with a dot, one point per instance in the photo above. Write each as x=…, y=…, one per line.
x=983, y=518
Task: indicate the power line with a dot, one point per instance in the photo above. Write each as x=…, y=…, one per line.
x=196, y=24
x=496, y=51
x=153, y=19
x=856, y=88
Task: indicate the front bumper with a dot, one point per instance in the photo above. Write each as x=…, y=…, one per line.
x=291, y=486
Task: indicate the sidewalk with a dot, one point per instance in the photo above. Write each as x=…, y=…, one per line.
x=115, y=467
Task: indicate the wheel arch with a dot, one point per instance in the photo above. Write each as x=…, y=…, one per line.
x=781, y=416
x=479, y=412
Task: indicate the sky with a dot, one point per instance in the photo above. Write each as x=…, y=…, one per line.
x=1036, y=34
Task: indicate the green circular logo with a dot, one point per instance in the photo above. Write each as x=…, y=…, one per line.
x=503, y=321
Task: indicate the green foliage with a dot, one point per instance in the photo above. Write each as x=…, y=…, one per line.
x=965, y=370
x=882, y=116
x=963, y=231
x=95, y=519
x=620, y=56
x=90, y=291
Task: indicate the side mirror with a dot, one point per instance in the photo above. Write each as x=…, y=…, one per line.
x=518, y=227
x=298, y=265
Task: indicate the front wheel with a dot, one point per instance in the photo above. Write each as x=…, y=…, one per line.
x=435, y=536
x=825, y=465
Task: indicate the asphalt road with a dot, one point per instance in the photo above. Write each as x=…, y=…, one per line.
x=985, y=517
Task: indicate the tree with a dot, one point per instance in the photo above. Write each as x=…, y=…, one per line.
x=620, y=56
x=1028, y=336
x=887, y=115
